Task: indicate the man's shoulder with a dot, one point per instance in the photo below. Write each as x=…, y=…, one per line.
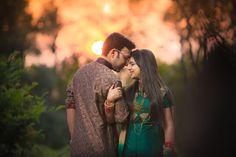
x=85, y=67
x=93, y=65
x=102, y=69
x=95, y=68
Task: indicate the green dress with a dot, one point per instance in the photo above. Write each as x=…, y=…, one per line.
x=144, y=137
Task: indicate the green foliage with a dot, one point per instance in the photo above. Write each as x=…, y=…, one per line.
x=173, y=77
x=45, y=151
x=20, y=110
x=68, y=68
x=53, y=124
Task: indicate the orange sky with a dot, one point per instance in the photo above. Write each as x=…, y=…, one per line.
x=85, y=22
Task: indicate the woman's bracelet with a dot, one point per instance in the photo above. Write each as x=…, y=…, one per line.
x=169, y=145
x=108, y=106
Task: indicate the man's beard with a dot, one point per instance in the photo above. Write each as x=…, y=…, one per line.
x=118, y=68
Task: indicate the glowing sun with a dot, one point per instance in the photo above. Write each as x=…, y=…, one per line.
x=97, y=47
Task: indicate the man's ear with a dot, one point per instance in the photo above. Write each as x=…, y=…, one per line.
x=113, y=52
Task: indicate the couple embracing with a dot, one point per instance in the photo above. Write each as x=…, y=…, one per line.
x=97, y=104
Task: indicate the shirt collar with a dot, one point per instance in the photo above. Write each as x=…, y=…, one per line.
x=104, y=62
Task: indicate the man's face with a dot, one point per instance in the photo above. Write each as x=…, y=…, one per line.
x=121, y=58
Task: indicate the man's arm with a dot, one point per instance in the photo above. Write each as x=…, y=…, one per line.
x=121, y=112
x=71, y=120
x=70, y=109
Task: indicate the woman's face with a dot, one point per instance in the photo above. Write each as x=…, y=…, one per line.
x=134, y=69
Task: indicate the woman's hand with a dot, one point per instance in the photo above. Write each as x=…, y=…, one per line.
x=114, y=94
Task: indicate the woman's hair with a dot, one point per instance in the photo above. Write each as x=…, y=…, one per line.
x=151, y=81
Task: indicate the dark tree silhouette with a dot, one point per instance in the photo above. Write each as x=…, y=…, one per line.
x=199, y=24
x=16, y=28
x=208, y=38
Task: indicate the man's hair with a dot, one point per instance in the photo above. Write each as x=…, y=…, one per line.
x=117, y=41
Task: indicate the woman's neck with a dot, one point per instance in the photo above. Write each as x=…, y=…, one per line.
x=140, y=87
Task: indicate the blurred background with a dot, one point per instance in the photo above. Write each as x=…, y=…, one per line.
x=43, y=43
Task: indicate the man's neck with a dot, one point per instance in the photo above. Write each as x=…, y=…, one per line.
x=104, y=61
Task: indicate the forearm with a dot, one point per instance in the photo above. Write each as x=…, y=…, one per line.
x=71, y=120
x=121, y=112
x=169, y=133
x=116, y=112
x=168, y=127
x=109, y=112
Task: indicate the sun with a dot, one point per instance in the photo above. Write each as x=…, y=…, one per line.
x=107, y=8
x=97, y=47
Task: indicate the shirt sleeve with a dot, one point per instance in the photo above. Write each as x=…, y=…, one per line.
x=121, y=112
x=70, y=100
x=121, y=109
x=166, y=101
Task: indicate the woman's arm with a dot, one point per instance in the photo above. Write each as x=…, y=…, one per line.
x=109, y=104
x=168, y=127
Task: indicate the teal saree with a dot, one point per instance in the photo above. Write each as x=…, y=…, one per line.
x=143, y=137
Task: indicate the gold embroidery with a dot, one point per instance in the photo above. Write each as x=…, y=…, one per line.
x=137, y=116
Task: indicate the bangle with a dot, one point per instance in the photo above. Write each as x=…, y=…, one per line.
x=108, y=107
x=168, y=144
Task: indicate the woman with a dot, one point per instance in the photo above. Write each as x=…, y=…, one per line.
x=150, y=127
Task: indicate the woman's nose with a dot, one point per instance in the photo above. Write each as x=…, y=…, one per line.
x=128, y=66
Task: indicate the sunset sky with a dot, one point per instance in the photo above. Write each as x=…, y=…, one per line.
x=84, y=23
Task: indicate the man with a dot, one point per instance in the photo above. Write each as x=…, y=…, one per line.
x=91, y=115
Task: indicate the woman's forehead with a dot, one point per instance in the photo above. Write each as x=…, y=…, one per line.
x=132, y=59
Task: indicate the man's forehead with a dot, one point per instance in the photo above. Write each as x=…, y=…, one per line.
x=126, y=50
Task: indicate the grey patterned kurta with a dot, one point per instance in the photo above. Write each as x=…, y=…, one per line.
x=94, y=136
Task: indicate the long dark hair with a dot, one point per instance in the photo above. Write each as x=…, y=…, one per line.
x=151, y=81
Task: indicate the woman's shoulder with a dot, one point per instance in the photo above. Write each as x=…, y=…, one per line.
x=163, y=91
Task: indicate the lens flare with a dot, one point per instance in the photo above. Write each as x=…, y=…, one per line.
x=97, y=47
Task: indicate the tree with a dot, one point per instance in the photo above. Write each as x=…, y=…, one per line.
x=201, y=25
x=208, y=38
x=53, y=124
x=16, y=29
x=20, y=110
